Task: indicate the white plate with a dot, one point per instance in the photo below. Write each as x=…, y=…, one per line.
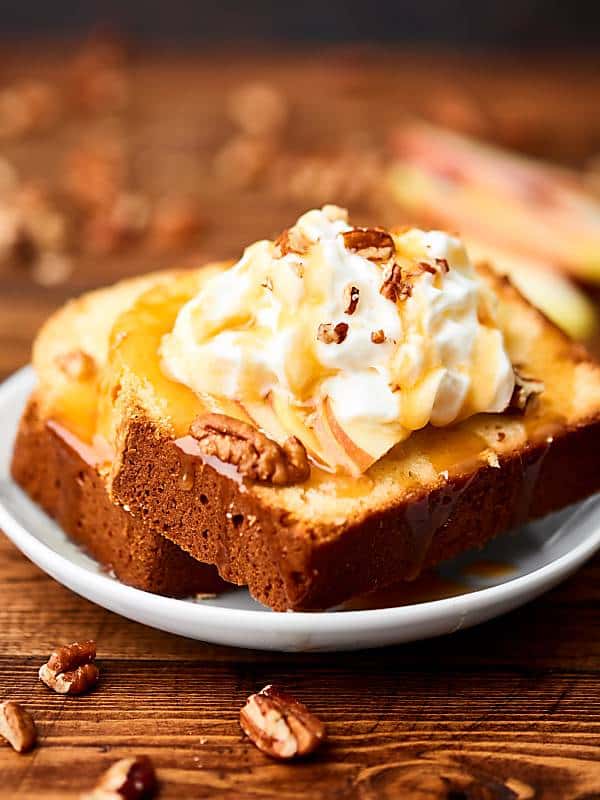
x=540, y=555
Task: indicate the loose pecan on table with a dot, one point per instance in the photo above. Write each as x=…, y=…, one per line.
x=129, y=778
x=525, y=391
x=17, y=726
x=70, y=669
x=279, y=725
x=255, y=455
x=372, y=243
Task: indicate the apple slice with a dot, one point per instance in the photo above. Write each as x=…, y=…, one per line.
x=554, y=294
x=294, y=420
x=534, y=208
x=334, y=445
x=261, y=413
x=362, y=444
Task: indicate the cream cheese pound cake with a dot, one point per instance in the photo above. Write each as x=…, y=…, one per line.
x=342, y=408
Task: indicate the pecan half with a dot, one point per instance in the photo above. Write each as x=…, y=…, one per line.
x=328, y=333
x=76, y=365
x=394, y=286
x=255, y=455
x=280, y=725
x=70, y=670
x=525, y=391
x=291, y=241
x=17, y=726
x=351, y=295
x=130, y=778
x=372, y=243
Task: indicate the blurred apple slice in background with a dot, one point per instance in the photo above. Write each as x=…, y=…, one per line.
x=517, y=203
x=560, y=300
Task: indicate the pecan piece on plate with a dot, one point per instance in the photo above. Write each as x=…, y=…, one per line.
x=255, y=455
x=130, y=778
x=372, y=243
x=17, y=726
x=70, y=669
x=280, y=725
x=525, y=391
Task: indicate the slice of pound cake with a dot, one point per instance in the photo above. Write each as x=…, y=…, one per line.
x=341, y=409
x=63, y=465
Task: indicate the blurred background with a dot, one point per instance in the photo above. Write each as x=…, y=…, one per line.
x=135, y=136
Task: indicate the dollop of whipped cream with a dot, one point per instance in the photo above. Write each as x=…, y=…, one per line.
x=390, y=329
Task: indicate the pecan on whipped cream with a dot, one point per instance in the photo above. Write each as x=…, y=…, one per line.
x=349, y=338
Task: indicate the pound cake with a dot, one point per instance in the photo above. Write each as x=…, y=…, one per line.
x=63, y=469
x=341, y=409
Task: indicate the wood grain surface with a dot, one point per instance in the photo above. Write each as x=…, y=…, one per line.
x=510, y=709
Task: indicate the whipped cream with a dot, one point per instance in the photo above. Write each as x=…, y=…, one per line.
x=282, y=320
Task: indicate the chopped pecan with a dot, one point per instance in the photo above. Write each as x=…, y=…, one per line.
x=328, y=333
x=394, y=286
x=424, y=266
x=372, y=243
x=280, y=725
x=129, y=778
x=443, y=264
x=526, y=389
x=70, y=670
x=351, y=295
x=378, y=337
x=291, y=241
x=76, y=365
x=255, y=455
x=17, y=726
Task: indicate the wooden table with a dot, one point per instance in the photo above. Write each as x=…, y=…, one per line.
x=508, y=710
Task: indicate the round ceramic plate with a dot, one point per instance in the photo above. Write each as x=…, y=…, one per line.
x=510, y=571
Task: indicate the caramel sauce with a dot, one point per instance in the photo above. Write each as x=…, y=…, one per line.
x=190, y=454
x=489, y=569
x=134, y=346
x=456, y=450
x=76, y=409
x=187, y=471
x=429, y=586
x=96, y=453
